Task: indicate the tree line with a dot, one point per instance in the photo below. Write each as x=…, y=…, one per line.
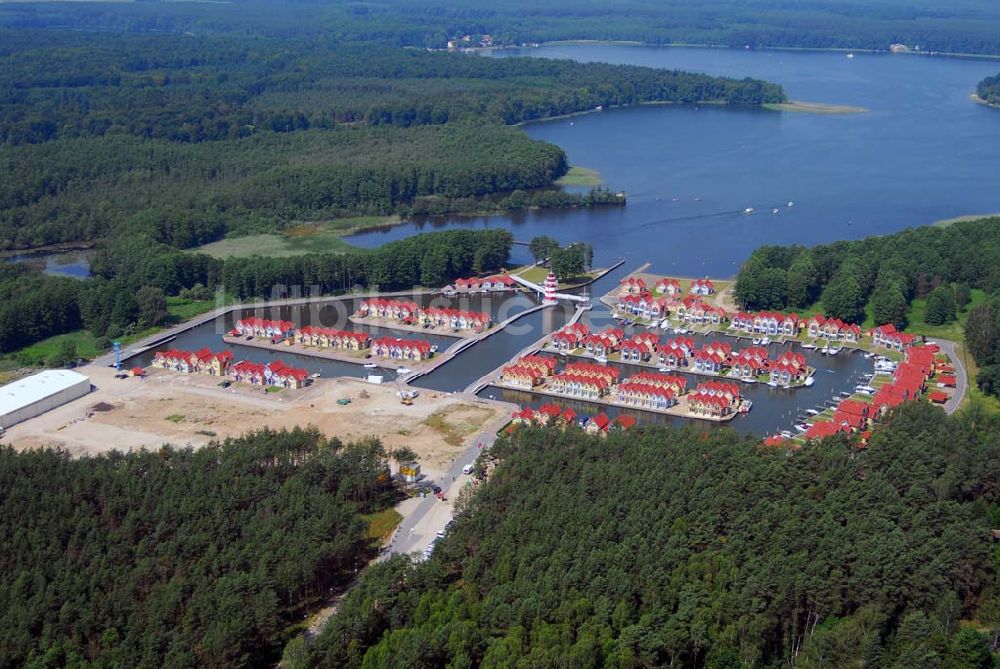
x=178, y=557
x=673, y=547
x=40, y=306
x=194, y=138
x=988, y=90
x=964, y=26
x=881, y=273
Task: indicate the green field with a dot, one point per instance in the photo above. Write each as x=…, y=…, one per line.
x=39, y=352
x=313, y=238
x=952, y=331
x=580, y=176
x=182, y=309
x=382, y=524
x=538, y=275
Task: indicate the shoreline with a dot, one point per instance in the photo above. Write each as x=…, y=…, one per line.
x=807, y=49
x=980, y=101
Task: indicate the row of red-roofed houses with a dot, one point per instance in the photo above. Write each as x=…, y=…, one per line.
x=412, y=313
x=569, y=337
x=834, y=329
x=645, y=305
x=603, y=343
x=321, y=337
x=263, y=327
x=276, y=374
x=648, y=390
x=909, y=382
x=789, y=369
x=552, y=414
x=635, y=285
x=693, y=310
x=499, y=282
x=402, y=349
x=887, y=336
x=715, y=399
x=639, y=348
x=584, y=381
x=377, y=307
x=527, y=372
x=454, y=318
x=202, y=361
x=766, y=323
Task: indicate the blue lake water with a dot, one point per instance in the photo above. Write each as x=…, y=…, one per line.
x=922, y=153
x=74, y=264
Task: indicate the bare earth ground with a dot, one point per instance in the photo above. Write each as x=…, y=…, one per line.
x=180, y=409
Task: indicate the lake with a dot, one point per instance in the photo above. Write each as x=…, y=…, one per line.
x=923, y=152
x=74, y=264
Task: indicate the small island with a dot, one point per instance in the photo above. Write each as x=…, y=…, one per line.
x=988, y=91
x=813, y=108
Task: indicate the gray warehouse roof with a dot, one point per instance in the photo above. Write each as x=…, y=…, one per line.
x=29, y=390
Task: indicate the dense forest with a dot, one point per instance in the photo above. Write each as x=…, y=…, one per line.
x=178, y=558
x=884, y=272
x=109, y=304
x=193, y=138
x=988, y=90
x=152, y=144
x=968, y=26
x=658, y=548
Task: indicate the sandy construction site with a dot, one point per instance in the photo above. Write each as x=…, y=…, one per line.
x=191, y=409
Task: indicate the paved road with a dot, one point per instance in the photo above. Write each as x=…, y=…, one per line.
x=430, y=515
x=961, y=377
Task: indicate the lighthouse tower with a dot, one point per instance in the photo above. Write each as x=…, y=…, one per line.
x=549, y=295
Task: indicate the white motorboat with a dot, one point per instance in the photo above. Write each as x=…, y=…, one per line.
x=748, y=210
x=773, y=384
x=371, y=365
x=810, y=381
x=756, y=342
x=601, y=359
x=791, y=204
x=663, y=370
x=786, y=434
x=812, y=412
x=765, y=341
x=403, y=370
x=809, y=346
x=801, y=427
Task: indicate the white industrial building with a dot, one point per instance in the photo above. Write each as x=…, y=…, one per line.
x=39, y=393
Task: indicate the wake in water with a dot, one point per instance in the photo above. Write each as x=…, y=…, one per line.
x=733, y=213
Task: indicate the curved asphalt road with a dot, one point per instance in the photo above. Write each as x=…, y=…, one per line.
x=961, y=376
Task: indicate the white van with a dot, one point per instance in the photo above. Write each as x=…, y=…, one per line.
x=467, y=469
